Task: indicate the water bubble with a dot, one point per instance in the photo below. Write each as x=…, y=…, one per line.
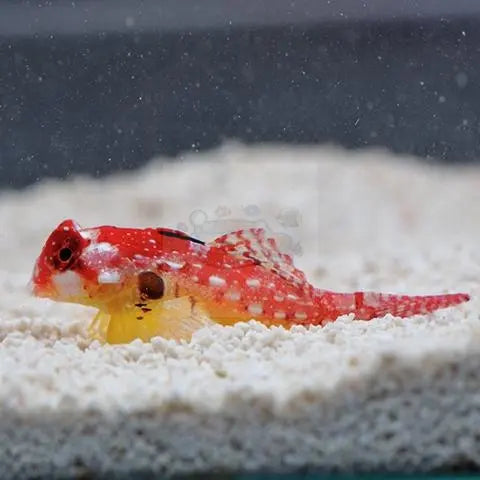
x=462, y=79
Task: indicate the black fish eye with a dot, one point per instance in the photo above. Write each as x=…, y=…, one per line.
x=65, y=254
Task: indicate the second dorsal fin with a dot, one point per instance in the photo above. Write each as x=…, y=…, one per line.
x=253, y=244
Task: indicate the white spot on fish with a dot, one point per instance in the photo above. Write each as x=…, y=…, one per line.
x=154, y=242
x=67, y=283
x=108, y=276
x=253, y=282
x=102, y=247
x=271, y=285
x=216, y=281
x=255, y=309
x=89, y=234
x=300, y=315
x=197, y=247
x=233, y=295
x=290, y=296
x=278, y=298
x=194, y=278
x=279, y=315
x=197, y=265
x=174, y=265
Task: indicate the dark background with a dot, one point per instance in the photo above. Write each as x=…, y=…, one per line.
x=97, y=86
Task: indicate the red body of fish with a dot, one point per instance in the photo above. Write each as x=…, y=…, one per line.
x=157, y=281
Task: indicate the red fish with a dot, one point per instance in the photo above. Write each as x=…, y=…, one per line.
x=158, y=281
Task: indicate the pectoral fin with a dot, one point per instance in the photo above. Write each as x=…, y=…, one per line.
x=181, y=317
x=97, y=330
x=172, y=319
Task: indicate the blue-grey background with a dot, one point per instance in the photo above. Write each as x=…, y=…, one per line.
x=102, y=85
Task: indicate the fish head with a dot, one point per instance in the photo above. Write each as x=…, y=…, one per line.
x=63, y=271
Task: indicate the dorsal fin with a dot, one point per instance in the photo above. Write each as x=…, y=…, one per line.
x=253, y=244
x=168, y=232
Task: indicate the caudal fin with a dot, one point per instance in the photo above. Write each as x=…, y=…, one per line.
x=368, y=305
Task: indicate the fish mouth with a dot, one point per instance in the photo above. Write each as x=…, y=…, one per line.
x=38, y=291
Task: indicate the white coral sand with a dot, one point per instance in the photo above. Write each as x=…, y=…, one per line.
x=389, y=394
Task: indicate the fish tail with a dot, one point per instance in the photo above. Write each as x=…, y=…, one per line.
x=368, y=305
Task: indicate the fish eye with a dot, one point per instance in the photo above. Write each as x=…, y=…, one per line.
x=63, y=249
x=65, y=254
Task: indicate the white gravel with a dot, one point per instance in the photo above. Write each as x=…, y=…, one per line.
x=387, y=394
